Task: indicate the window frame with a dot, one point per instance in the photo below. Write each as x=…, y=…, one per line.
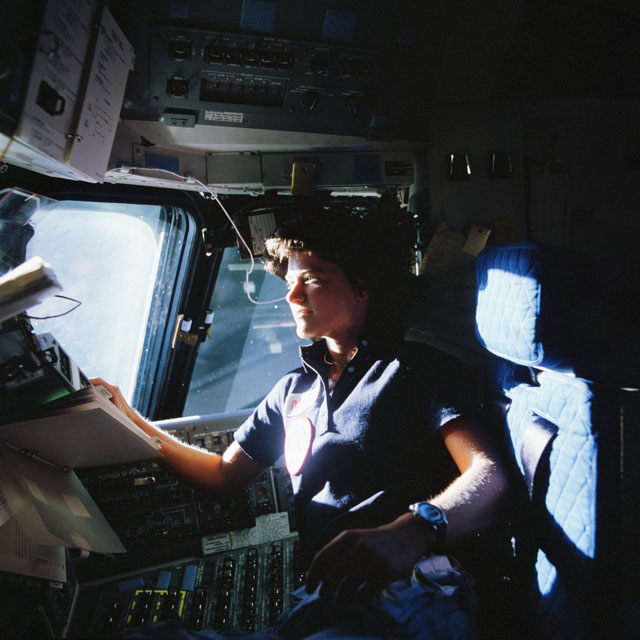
x=157, y=352
x=162, y=392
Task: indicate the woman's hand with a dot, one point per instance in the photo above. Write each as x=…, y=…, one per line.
x=117, y=398
x=356, y=564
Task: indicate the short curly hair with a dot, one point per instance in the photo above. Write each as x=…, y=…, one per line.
x=373, y=249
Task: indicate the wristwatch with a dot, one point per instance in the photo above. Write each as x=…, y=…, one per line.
x=433, y=517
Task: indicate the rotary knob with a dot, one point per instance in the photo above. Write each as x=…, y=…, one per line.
x=309, y=101
x=319, y=65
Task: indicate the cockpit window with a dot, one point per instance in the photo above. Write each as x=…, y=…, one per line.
x=120, y=262
x=250, y=346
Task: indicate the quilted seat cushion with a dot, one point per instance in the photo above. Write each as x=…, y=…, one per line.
x=565, y=516
x=534, y=305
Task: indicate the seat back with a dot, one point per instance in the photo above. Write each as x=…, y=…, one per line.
x=536, y=310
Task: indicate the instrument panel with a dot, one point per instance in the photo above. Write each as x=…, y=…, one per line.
x=241, y=589
x=208, y=77
x=234, y=563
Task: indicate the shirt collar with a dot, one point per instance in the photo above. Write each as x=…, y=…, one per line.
x=312, y=355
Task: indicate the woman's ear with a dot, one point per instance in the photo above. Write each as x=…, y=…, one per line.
x=362, y=291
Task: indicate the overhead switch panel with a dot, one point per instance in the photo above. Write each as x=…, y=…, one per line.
x=259, y=82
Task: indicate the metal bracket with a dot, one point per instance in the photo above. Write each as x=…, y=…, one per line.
x=183, y=330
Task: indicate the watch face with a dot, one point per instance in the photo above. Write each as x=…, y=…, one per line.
x=432, y=517
x=429, y=513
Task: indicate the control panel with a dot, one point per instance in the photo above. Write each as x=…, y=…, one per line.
x=157, y=517
x=241, y=590
x=223, y=565
x=209, y=77
x=214, y=564
x=34, y=368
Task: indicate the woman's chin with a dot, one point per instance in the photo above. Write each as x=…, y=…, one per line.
x=306, y=333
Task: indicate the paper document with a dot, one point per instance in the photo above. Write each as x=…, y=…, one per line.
x=268, y=528
x=18, y=555
x=52, y=506
x=81, y=429
x=42, y=510
x=111, y=61
x=444, y=245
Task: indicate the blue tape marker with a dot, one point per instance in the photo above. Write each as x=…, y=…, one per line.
x=339, y=26
x=164, y=578
x=157, y=161
x=131, y=585
x=179, y=9
x=258, y=15
x=189, y=577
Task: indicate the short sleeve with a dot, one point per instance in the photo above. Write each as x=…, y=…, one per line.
x=447, y=387
x=261, y=435
x=458, y=390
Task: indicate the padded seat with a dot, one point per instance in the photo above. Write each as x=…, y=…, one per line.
x=536, y=312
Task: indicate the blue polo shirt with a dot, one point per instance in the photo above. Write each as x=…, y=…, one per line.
x=373, y=444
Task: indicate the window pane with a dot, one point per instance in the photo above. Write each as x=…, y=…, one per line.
x=251, y=346
x=106, y=256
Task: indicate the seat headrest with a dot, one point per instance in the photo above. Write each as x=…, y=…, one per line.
x=536, y=306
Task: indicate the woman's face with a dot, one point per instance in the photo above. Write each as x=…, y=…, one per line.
x=323, y=302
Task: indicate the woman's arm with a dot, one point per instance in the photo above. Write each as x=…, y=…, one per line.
x=359, y=562
x=221, y=475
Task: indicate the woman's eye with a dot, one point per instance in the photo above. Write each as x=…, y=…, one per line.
x=310, y=280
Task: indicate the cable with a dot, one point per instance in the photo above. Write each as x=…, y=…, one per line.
x=214, y=195
x=59, y=315
x=33, y=455
x=251, y=256
x=4, y=151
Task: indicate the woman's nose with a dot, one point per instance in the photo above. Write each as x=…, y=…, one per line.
x=296, y=292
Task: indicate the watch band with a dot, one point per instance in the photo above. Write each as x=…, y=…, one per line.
x=433, y=517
